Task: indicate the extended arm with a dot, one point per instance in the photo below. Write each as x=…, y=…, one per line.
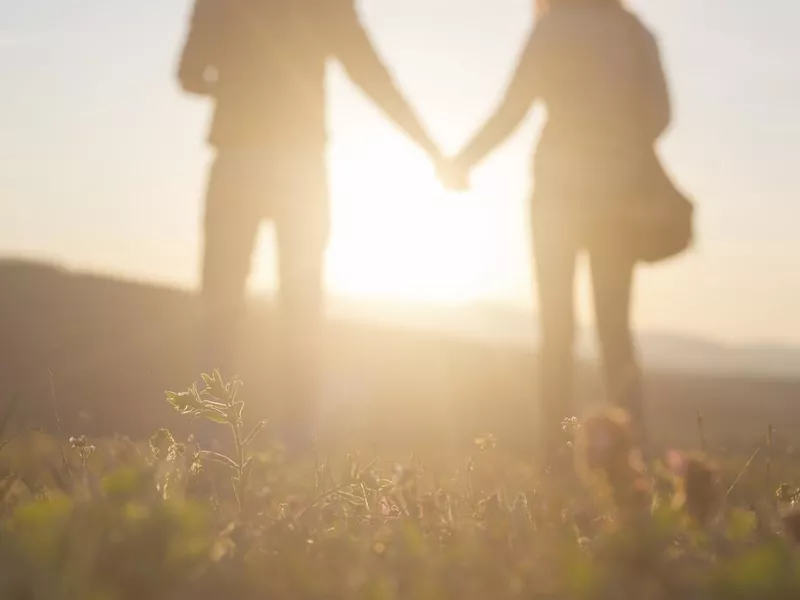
x=513, y=109
x=355, y=51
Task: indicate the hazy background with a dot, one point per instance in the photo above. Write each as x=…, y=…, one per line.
x=102, y=164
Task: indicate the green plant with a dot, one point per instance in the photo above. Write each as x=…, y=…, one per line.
x=360, y=527
x=218, y=403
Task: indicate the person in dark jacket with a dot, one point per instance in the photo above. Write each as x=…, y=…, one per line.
x=263, y=63
x=597, y=70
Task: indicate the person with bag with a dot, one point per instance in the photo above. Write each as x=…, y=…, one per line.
x=263, y=64
x=599, y=187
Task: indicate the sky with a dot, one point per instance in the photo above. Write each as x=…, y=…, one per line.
x=103, y=160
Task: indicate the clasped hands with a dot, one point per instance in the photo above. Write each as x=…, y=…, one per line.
x=453, y=172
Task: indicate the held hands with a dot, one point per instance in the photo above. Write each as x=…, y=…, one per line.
x=453, y=175
x=452, y=172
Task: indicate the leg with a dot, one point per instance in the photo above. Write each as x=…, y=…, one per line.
x=231, y=223
x=555, y=258
x=302, y=228
x=612, y=278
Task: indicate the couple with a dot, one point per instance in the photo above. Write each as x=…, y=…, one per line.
x=591, y=62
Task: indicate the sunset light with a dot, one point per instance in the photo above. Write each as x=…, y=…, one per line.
x=399, y=235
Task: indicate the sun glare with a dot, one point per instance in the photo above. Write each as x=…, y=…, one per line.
x=398, y=234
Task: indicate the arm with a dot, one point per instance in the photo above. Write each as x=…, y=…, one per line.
x=355, y=51
x=516, y=104
x=196, y=63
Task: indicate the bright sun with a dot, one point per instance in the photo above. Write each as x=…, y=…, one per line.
x=398, y=234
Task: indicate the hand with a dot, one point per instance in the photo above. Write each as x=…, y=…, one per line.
x=453, y=175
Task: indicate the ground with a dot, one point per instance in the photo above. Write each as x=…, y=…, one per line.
x=108, y=349
x=425, y=489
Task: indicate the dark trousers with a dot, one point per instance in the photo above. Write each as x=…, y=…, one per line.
x=557, y=244
x=248, y=186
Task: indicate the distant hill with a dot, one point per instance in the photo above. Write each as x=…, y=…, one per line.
x=102, y=351
x=503, y=325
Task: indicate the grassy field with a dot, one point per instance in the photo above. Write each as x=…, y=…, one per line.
x=423, y=486
x=109, y=518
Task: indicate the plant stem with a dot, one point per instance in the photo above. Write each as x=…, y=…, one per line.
x=770, y=432
x=702, y=431
x=237, y=442
x=742, y=472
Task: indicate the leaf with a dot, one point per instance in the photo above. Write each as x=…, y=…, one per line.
x=185, y=402
x=213, y=415
x=254, y=434
x=234, y=390
x=212, y=403
x=216, y=386
x=219, y=458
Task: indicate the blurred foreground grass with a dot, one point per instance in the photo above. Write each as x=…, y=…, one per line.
x=113, y=519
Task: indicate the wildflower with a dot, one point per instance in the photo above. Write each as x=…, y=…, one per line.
x=78, y=442
x=570, y=426
x=83, y=447
x=162, y=445
x=787, y=494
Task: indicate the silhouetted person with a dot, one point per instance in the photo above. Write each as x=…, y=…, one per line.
x=264, y=64
x=597, y=69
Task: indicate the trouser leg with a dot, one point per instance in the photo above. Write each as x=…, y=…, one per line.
x=612, y=279
x=302, y=229
x=230, y=228
x=555, y=259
